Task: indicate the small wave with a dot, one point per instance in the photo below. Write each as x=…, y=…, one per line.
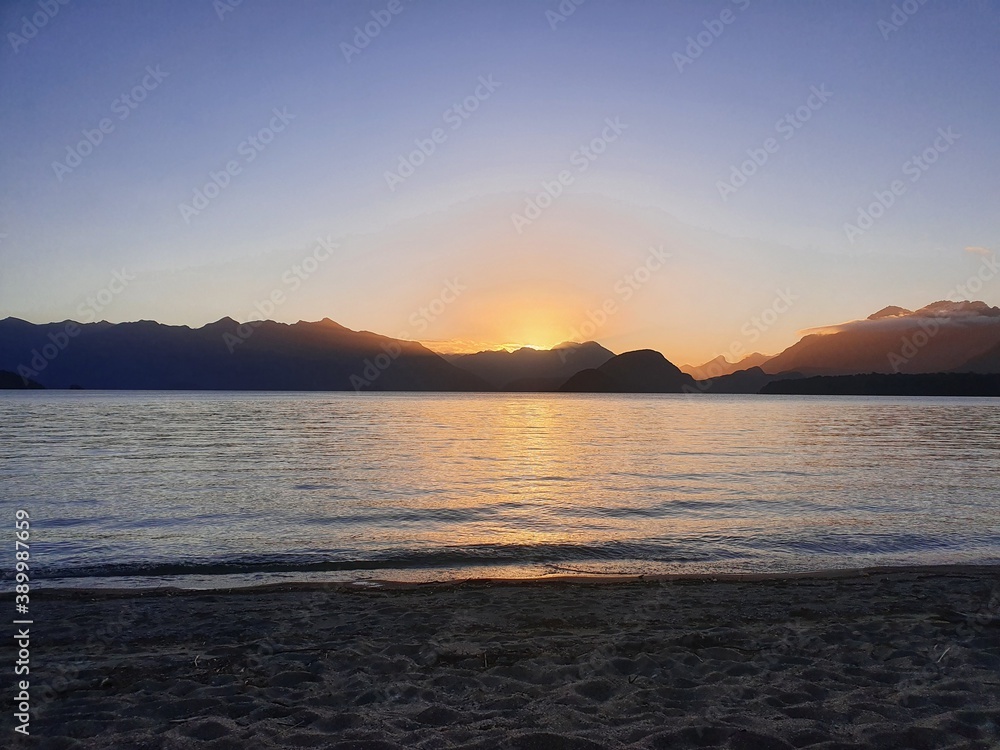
x=448, y=557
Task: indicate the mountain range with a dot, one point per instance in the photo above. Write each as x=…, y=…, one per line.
x=267, y=356
x=528, y=369
x=944, y=337
x=941, y=337
x=720, y=366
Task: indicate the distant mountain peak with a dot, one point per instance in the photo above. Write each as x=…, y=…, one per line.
x=892, y=311
x=642, y=355
x=947, y=308
x=720, y=366
x=576, y=345
x=940, y=309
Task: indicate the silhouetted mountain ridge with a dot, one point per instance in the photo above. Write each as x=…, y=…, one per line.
x=943, y=337
x=13, y=381
x=719, y=366
x=223, y=355
x=751, y=380
x=641, y=371
x=940, y=337
x=527, y=368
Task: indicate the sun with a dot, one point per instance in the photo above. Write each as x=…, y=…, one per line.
x=537, y=329
x=518, y=321
x=540, y=342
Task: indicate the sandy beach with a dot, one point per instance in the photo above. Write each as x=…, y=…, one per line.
x=884, y=659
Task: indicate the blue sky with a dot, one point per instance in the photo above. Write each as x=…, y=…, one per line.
x=889, y=92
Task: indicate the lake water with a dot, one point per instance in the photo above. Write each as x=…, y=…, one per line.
x=205, y=489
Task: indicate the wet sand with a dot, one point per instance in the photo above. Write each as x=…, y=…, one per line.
x=891, y=659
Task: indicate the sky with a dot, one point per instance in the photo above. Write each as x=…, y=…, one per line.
x=693, y=177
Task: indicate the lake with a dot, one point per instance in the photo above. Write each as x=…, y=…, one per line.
x=210, y=488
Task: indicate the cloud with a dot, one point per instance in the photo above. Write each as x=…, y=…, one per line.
x=975, y=250
x=945, y=312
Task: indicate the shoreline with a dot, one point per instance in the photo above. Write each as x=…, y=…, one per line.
x=588, y=579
